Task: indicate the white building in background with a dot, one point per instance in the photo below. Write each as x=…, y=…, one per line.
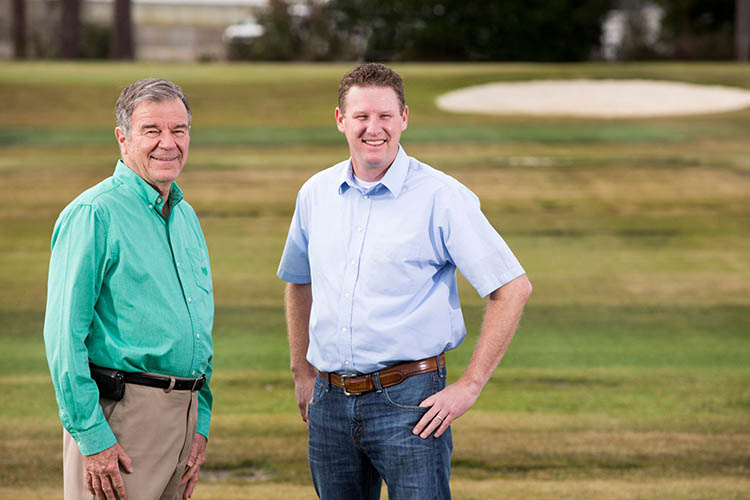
x=163, y=30
x=617, y=28
x=179, y=30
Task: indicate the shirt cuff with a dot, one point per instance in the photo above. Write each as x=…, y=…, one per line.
x=492, y=285
x=299, y=279
x=94, y=440
x=204, y=423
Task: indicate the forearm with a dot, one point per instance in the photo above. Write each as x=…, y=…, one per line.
x=298, y=306
x=501, y=319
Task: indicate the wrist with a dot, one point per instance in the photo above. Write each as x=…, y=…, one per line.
x=472, y=384
x=303, y=370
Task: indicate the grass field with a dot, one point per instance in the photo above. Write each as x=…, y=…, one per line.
x=629, y=377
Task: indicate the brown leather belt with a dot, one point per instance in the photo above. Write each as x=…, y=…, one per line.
x=355, y=385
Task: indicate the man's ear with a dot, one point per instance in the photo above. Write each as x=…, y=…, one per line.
x=339, y=120
x=405, y=118
x=121, y=140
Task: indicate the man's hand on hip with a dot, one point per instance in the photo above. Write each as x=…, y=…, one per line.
x=102, y=471
x=195, y=460
x=446, y=406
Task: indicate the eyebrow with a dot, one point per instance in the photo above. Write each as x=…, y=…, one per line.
x=153, y=125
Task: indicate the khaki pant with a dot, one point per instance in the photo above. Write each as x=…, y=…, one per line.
x=156, y=431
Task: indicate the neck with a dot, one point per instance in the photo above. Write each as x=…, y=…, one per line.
x=163, y=190
x=368, y=175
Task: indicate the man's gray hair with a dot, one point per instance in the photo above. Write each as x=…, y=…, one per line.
x=151, y=89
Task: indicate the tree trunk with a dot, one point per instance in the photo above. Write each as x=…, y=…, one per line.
x=742, y=30
x=122, y=31
x=70, y=29
x=19, y=29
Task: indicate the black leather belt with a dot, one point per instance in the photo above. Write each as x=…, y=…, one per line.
x=160, y=381
x=164, y=382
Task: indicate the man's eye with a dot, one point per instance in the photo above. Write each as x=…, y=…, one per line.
x=152, y=133
x=178, y=132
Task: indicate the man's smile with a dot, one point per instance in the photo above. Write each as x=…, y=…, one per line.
x=374, y=142
x=164, y=158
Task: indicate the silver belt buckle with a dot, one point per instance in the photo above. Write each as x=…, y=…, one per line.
x=343, y=384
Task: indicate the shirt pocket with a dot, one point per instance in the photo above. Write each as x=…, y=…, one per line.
x=201, y=270
x=397, y=269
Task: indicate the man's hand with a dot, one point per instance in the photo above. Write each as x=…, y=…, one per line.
x=304, y=385
x=195, y=460
x=446, y=406
x=500, y=321
x=102, y=471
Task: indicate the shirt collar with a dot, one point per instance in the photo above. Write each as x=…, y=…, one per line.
x=393, y=180
x=144, y=190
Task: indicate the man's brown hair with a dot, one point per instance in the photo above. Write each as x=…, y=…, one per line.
x=372, y=75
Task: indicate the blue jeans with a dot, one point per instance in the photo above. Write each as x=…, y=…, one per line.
x=357, y=441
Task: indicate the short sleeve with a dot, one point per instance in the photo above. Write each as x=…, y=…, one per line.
x=295, y=264
x=472, y=244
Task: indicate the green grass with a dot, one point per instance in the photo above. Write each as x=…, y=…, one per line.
x=629, y=375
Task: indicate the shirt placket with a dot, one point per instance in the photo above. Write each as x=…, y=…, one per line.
x=362, y=205
x=183, y=275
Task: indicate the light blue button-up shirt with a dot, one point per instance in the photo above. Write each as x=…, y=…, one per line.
x=382, y=263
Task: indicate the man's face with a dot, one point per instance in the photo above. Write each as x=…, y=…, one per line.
x=157, y=148
x=372, y=123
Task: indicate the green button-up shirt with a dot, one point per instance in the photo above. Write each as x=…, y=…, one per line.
x=127, y=290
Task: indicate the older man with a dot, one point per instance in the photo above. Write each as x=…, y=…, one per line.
x=130, y=313
x=372, y=304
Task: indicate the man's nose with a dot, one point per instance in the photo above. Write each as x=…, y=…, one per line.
x=373, y=126
x=167, y=141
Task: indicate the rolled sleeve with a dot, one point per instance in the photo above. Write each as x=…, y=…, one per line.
x=77, y=265
x=473, y=245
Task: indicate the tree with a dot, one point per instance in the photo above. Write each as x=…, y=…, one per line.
x=19, y=29
x=475, y=30
x=122, y=31
x=699, y=29
x=70, y=29
x=742, y=30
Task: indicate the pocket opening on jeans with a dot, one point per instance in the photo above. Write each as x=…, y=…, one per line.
x=413, y=390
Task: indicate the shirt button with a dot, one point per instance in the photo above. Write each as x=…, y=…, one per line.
x=150, y=205
x=366, y=196
x=197, y=335
x=189, y=299
x=193, y=372
x=353, y=261
x=343, y=328
x=359, y=228
x=178, y=264
x=346, y=362
x=158, y=200
x=347, y=295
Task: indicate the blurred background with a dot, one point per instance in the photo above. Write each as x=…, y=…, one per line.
x=629, y=375
x=332, y=30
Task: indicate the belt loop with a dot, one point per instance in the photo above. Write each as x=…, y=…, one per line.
x=328, y=381
x=439, y=368
x=171, y=385
x=376, y=380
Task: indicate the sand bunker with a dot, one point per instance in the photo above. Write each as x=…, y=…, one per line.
x=596, y=98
